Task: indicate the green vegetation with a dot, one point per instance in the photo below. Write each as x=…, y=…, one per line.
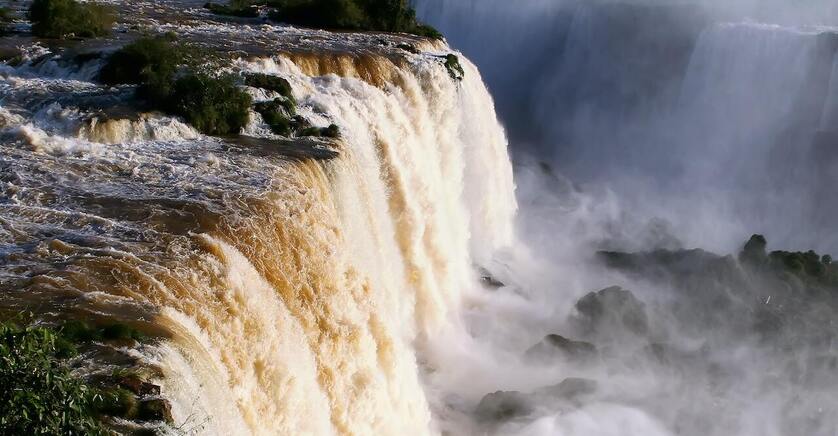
x=168, y=78
x=810, y=267
x=275, y=113
x=82, y=332
x=150, y=62
x=5, y=19
x=235, y=8
x=333, y=131
x=280, y=113
x=455, y=70
x=40, y=396
x=377, y=15
x=214, y=105
x=64, y=18
x=271, y=83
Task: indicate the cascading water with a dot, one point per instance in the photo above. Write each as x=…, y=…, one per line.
x=688, y=125
x=633, y=97
x=293, y=293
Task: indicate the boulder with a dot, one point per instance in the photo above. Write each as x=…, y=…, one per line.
x=155, y=409
x=557, y=346
x=503, y=406
x=612, y=309
x=138, y=386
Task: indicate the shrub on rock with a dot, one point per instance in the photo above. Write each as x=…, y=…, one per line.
x=5, y=19
x=150, y=62
x=333, y=131
x=213, y=105
x=455, y=70
x=63, y=18
x=271, y=83
x=275, y=114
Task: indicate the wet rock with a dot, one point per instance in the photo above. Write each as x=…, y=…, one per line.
x=754, y=250
x=557, y=346
x=504, y=405
x=612, y=309
x=570, y=389
x=138, y=386
x=410, y=48
x=487, y=280
x=155, y=409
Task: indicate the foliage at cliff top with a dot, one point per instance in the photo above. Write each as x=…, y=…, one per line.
x=69, y=18
x=810, y=267
x=169, y=79
x=40, y=396
x=375, y=15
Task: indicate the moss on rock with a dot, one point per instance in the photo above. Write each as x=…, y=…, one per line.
x=455, y=70
x=65, y=18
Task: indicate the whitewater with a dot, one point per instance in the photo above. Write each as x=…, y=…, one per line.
x=294, y=295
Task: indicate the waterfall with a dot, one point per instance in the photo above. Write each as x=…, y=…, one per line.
x=294, y=294
x=738, y=94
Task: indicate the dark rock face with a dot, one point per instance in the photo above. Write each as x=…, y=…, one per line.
x=155, y=409
x=488, y=281
x=509, y=405
x=503, y=406
x=138, y=386
x=557, y=346
x=612, y=309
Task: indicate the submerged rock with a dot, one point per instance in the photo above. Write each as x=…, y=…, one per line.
x=557, y=346
x=612, y=309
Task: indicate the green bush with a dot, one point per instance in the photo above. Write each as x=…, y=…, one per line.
x=213, y=105
x=62, y=18
x=39, y=395
x=378, y=15
x=5, y=19
x=274, y=113
x=333, y=131
x=271, y=83
x=455, y=70
x=150, y=62
x=81, y=332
